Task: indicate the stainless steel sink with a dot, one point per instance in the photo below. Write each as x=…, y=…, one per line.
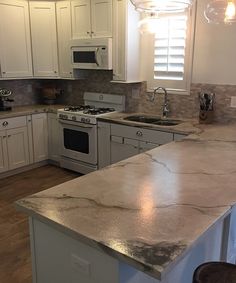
x=143, y=119
x=153, y=120
x=167, y=122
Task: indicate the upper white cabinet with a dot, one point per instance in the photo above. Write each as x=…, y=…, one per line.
x=44, y=38
x=63, y=13
x=15, y=47
x=125, y=42
x=91, y=18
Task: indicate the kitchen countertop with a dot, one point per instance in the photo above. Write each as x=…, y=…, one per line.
x=29, y=109
x=187, y=126
x=150, y=209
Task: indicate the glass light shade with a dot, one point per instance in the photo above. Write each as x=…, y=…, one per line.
x=161, y=5
x=148, y=24
x=220, y=11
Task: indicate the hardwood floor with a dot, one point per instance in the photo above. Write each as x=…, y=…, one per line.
x=15, y=265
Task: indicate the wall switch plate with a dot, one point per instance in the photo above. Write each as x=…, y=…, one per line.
x=80, y=264
x=233, y=102
x=135, y=93
x=29, y=88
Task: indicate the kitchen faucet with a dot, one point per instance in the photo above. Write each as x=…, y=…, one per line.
x=165, y=110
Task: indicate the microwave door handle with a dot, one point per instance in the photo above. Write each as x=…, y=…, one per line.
x=96, y=56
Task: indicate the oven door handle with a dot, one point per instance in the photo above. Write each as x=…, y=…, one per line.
x=75, y=124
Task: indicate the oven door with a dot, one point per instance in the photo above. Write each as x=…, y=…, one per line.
x=79, y=141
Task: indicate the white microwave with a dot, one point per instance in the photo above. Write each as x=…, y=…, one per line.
x=94, y=53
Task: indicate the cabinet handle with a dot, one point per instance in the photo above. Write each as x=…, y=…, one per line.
x=5, y=123
x=4, y=72
x=139, y=134
x=88, y=32
x=9, y=136
x=55, y=72
x=4, y=137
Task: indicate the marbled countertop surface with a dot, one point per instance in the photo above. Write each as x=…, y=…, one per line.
x=150, y=209
x=186, y=126
x=29, y=109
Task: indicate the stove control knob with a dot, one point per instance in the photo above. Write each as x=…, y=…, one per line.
x=87, y=120
x=65, y=117
x=60, y=115
x=82, y=119
x=73, y=118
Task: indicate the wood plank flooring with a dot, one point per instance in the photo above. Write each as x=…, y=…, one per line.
x=15, y=262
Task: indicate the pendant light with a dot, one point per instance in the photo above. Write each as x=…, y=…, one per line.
x=220, y=11
x=161, y=5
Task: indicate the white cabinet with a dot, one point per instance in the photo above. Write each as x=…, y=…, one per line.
x=44, y=38
x=3, y=152
x=40, y=136
x=125, y=42
x=122, y=148
x=14, y=143
x=63, y=12
x=53, y=137
x=91, y=18
x=104, y=152
x=15, y=46
x=18, y=147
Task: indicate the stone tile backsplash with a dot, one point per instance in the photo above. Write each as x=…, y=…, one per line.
x=27, y=92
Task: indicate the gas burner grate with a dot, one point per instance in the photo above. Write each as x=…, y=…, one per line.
x=97, y=111
x=78, y=108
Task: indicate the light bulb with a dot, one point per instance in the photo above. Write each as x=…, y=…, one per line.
x=230, y=11
x=220, y=11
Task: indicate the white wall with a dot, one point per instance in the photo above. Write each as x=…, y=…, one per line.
x=214, y=51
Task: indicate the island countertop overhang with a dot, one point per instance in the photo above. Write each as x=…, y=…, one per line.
x=187, y=184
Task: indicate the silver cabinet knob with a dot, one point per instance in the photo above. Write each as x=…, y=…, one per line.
x=139, y=134
x=5, y=123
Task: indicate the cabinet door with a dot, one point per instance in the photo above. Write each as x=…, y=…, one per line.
x=126, y=56
x=101, y=15
x=53, y=137
x=104, y=149
x=40, y=136
x=122, y=148
x=64, y=36
x=18, y=147
x=15, y=46
x=44, y=38
x=3, y=152
x=81, y=24
x=145, y=146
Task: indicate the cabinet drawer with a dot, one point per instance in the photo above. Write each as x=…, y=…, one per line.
x=11, y=123
x=153, y=136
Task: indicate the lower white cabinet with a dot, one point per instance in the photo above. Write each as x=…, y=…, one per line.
x=122, y=148
x=40, y=136
x=14, y=143
x=53, y=137
x=117, y=142
x=3, y=152
x=18, y=147
x=128, y=141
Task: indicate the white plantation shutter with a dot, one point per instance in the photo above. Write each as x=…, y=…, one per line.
x=169, y=50
x=166, y=56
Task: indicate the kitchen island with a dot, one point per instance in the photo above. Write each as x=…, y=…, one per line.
x=150, y=218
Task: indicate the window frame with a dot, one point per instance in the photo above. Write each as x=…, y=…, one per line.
x=147, y=45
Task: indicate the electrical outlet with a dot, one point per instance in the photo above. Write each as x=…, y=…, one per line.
x=135, y=93
x=80, y=264
x=233, y=102
x=69, y=88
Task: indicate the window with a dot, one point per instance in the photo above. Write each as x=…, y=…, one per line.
x=167, y=54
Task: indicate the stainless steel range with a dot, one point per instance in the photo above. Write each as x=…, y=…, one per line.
x=78, y=130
